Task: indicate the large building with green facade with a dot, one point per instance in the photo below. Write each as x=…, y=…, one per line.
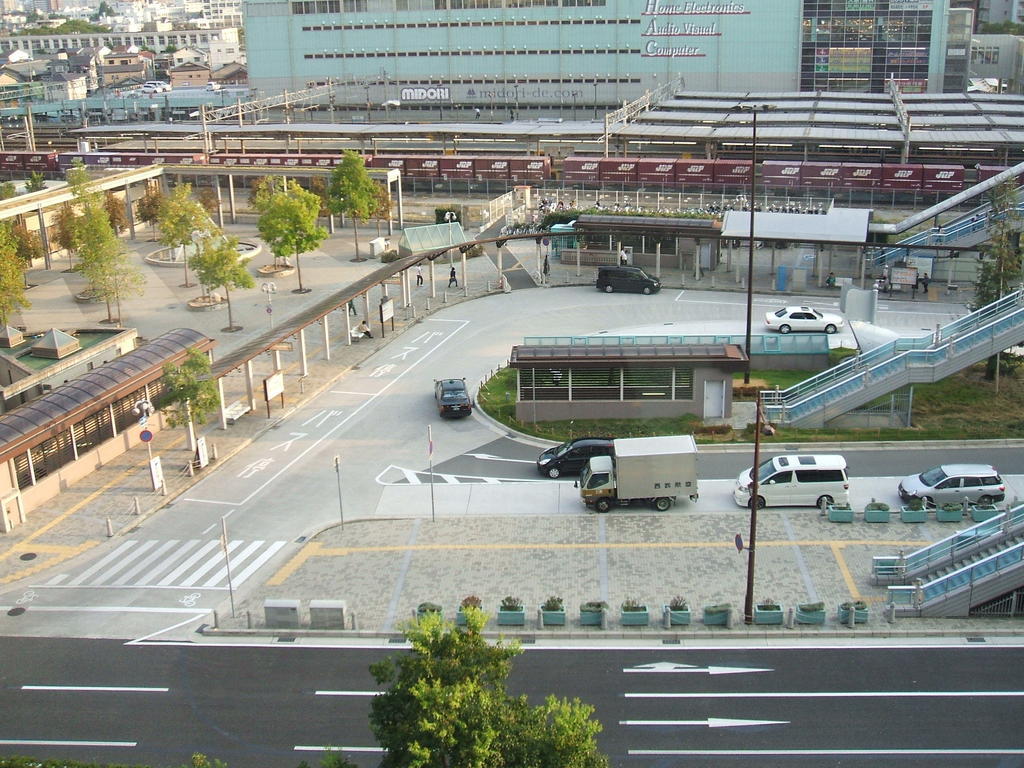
x=504, y=55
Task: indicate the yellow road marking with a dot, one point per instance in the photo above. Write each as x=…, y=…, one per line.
x=837, y=552
x=310, y=550
x=65, y=553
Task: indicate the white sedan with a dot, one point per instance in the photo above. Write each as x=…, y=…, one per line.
x=802, y=319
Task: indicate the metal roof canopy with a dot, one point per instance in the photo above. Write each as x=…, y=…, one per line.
x=838, y=225
x=32, y=423
x=650, y=355
x=416, y=240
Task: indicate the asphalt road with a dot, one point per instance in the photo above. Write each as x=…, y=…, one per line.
x=276, y=705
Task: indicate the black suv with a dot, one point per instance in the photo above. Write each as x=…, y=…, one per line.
x=626, y=278
x=571, y=457
x=452, y=397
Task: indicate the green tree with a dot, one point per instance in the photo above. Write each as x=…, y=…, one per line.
x=29, y=244
x=207, y=198
x=36, y=182
x=288, y=225
x=191, y=395
x=183, y=220
x=351, y=191
x=1000, y=269
x=7, y=190
x=12, y=283
x=150, y=205
x=218, y=265
x=114, y=206
x=447, y=706
x=64, y=229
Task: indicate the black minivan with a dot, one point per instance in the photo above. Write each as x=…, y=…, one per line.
x=626, y=278
x=571, y=457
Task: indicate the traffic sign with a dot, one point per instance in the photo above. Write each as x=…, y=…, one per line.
x=145, y=436
x=739, y=543
x=270, y=310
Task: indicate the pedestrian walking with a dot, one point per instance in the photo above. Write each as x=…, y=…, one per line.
x=925, y=280
x=453, y=279
x=419, y=275
x=477, y=111
x=352, y=307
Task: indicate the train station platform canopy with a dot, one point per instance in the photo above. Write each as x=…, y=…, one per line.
x=837, y=225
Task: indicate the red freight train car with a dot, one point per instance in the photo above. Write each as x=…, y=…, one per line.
x=455, y=167
x=778, y=173
x=942, y=178
x=732, y=172
x=580, y=169
x=861, y=175
x=534, y=168
x=821, y=175
x=901, y=176
x=695, y=172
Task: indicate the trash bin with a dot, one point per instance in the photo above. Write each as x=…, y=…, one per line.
x=782, y=273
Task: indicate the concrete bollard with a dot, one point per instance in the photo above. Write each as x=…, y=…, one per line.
x=790, y=618
x=138, y=506
x=248, y=619
x=540, y=619
x=163, y=487
x=355, y=624
x=890, y=613
x=604, y=619
x=110, y=528
x=216, y=620
x=851, y=619
x=428, y=303
x=213, y=451
x=191, y=469
x=444, y=297
x=666, y=618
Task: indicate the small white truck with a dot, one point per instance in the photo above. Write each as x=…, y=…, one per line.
x=651, y=469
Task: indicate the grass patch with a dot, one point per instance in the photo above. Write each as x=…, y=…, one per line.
x=964, y=406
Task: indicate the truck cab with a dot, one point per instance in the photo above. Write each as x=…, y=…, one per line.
x=597, y=481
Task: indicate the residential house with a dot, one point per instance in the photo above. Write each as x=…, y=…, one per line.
x=187, y=55
x=195, y=75
x=231, y=74
x=124, y=67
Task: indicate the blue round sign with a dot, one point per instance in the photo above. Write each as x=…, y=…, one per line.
x=270, y=310
x=145, y=436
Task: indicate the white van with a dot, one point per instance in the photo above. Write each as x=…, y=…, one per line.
x=796, y=480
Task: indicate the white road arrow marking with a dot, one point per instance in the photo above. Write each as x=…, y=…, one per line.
x=288, y=443
x=425, y=337
x=257, y=466
x=668, y=666
x=382, y=370
x=402, y=355
x=711, y=722
x=489, y=457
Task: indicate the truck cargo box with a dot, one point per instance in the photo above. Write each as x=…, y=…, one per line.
x=649, y=467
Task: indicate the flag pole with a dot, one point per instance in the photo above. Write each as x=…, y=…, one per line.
x=430, y=461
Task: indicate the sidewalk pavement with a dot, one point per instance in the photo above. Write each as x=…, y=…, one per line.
x=383, y=567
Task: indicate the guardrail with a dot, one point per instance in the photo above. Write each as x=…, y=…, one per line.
x=919, y=594
x=947, y=551
x=802, y=344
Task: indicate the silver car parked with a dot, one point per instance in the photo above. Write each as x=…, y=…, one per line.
x=955, y=483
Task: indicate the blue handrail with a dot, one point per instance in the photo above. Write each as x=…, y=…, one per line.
x=969, y=574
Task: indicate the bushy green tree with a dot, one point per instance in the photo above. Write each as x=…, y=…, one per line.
x=447, y=706
x=7, y=190
x=1000, y=269
x=288, y=225
x=217, y=264
x=12, y=283
x=36, y=182
x=191, y=395
x=150, y=205
x=182, y=221
x=116, y=213
x=351, y=191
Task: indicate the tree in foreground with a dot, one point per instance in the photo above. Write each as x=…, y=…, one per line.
x=1000, y=269
x=218, y=265
x=12, y=284
x=182, y=222
x=447, y=707
x=191, y=395
x=288, y=225
x=351, y=191
x=150, y=205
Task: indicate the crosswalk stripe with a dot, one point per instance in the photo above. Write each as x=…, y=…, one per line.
x=209, y=565
x=98, y=565
x=168, y=562
x=188, y=563
x=411, y=477
x=127, y=576
x=128, y=559
x=268, y=553
x=236, y=561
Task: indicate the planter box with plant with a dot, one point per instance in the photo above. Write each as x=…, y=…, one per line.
x=717, y=615
x=982, y=512
x=592, y=613
x=810, y=613
x=949, y=513
x=914, y=511
x=552, y=612
x=767, y=612
x=633, y=613
x=678, y=612
x=511, y=612
x=860, y=612
x=840, y=513
x=876, y=512
x=424, y=608
x=469, y=601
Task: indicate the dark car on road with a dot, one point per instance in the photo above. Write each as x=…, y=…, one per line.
x=626, y=278
x=452, y=397
x=571, y=457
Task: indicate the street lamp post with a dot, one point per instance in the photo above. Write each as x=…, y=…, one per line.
x=143, y=409
x=449, y=217
x=753, y=109
x=748, y=599
x=270, y=289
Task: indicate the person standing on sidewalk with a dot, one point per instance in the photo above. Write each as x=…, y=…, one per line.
x=452, y=278
x=419, y=275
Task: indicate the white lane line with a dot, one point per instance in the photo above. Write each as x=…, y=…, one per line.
x=209, y=565
x=830, y=695
x=189, y=620
x=168, y=563
x=255, y=565
x=819, y=752
x=347, y=392
x=51, y=743
x=211, y=501
x=345, y=693
x=56, y=580
x=193, y=558
x=100, y=688
x=119, y=552
x=303, y=748
x=127, y=576
x=236, y=561
x=218, y=523
x=107, y=609
x=355, y=412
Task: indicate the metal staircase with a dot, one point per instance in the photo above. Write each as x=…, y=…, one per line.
x=861, y=379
